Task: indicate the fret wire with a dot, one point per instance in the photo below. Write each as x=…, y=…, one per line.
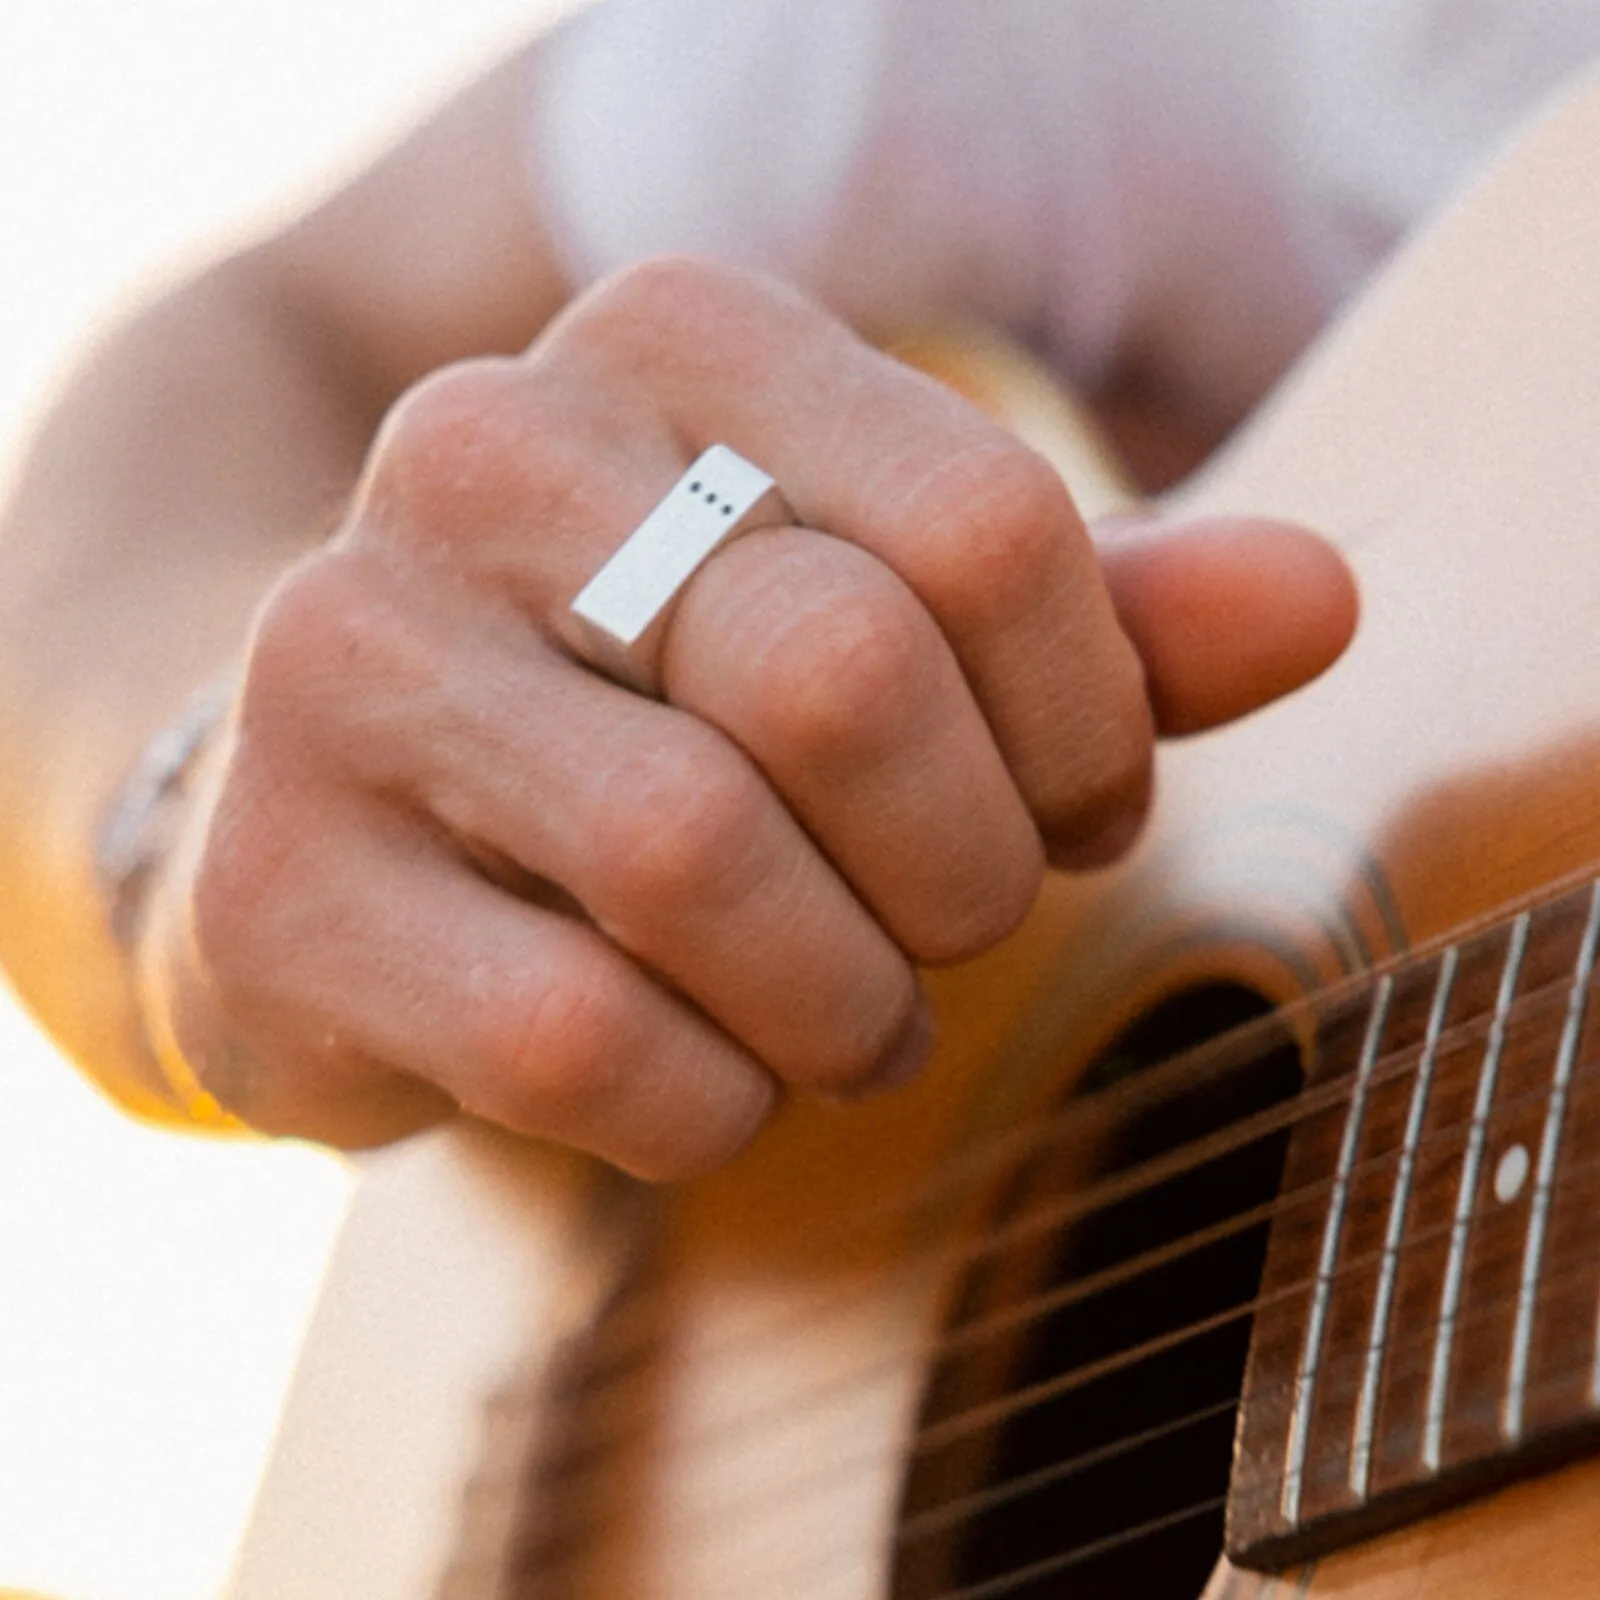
x=1311, y=1351
x=1549, y=1147
x=978, y=1417
x=1366, y=1419
x=1009, y=1582
x=1466, y=1195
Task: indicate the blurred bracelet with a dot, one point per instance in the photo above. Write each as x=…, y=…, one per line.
x=136, y=834
x=140, y=824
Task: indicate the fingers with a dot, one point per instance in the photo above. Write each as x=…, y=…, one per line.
x=416, y=977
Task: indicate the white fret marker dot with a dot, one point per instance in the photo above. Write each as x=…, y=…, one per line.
x=1511, y=1174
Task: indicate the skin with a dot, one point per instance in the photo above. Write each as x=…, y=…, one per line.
x=435, y=863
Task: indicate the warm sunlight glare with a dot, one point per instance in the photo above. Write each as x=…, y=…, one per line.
x=152, y=1288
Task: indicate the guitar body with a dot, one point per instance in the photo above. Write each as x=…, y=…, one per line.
x=529, y=1376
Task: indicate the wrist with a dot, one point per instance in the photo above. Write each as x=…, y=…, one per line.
x=138, y=836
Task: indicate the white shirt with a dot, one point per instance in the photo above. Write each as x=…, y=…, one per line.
x=1192, y=186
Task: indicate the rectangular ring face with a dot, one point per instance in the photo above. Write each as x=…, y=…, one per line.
x=720, y=496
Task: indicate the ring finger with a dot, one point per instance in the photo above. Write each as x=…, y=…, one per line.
x=822, y=664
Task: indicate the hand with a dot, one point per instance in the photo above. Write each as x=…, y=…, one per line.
x=442, y=864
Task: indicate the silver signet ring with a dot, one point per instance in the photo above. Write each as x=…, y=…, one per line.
x=721, y=496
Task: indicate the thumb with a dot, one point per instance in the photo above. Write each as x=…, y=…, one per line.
x=1227, y=613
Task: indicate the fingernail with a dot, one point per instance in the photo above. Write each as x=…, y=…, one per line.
x=910, y=1053
x=1100, y=849
x=1110, y=841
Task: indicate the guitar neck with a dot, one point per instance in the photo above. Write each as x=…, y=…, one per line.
x=1429, y=1317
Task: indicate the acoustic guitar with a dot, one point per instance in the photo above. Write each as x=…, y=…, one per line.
x=1244, y=1239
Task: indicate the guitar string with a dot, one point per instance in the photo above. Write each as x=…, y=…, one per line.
x=1477, y=1413
x=1093, y=1118
x=926, y=1524
x=1024, y=1402
x=1053, y=1566
x=988, y=1415
x=730, y=1431
x=967, y=1336
x=788, y=1497
x=945, y=1258
x=1190, y=1068
x=866, y=1465
x=984, y=1417
x=942, y=1517
x=1274, y=1026
x=1096, y=1115
x=638, y=1327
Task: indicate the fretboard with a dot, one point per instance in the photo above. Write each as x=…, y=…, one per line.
x=1430, y=1312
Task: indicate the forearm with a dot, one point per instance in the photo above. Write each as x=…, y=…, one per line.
x=203, y=447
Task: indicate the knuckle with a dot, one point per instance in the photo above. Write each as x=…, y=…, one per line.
x=682, y=828
x=328, y=612
x=553, y=1050
x=573, y=1055
x=330, y=633
x=240, y=888
x=295, y=624
x=445, y=416
x=455, y=452
x=666, y=313
x=634, y=307
x=996, y=521
x=837, y=682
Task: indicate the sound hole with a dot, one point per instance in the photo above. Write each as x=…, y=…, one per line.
x=1103, y=1474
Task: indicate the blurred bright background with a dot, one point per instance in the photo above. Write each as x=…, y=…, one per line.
x=153, y=1288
